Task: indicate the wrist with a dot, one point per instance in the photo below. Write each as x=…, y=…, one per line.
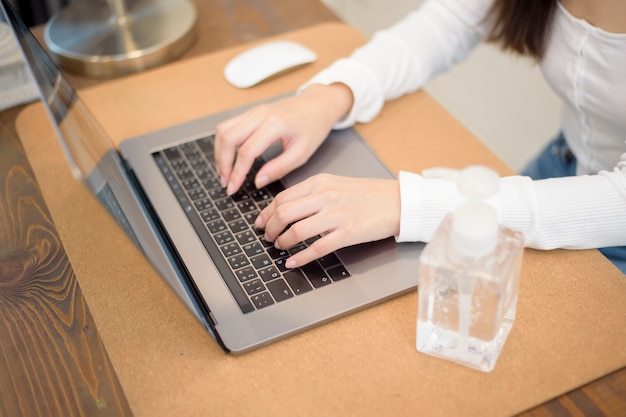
x=335, y=100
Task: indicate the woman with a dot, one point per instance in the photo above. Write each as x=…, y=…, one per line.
x=581, y=48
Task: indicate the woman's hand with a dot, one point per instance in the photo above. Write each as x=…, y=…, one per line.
x=300, y=122
x=347, y=210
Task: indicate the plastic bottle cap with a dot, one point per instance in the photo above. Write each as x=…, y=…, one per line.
x=475, y=223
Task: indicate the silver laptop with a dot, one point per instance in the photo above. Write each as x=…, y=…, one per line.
x=161, y=189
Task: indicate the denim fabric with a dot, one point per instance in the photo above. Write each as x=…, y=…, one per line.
x=556, y=160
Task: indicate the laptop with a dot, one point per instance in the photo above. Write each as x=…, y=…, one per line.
x=160, y=187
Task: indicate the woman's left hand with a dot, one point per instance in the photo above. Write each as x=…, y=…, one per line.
x=347, y=210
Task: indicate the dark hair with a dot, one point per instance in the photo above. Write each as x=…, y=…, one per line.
x=522, y=26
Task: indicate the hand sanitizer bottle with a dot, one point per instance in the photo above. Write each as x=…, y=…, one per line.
x=468, y=279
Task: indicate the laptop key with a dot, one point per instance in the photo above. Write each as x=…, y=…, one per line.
x=203, y=204
x=261, y=300
x=295, y=249
x=199, y=164
x=225, y=204
x=245, y=237
x=338, y=273
x=246, y=273
x=238, y=261
x=260, y=195
x=239, y=196
x=184, y=174
x=208, y=181
x=254, y=286
x=196, y=194
x=218, y=193
x=246, y=206
x=206, y=145
x=268, y=274
x=316, y=274
x=280, y=264
x=172, y=153
x=209, y=215
x=251, y=217
x=252, y=249
x=179, y=165
x=329, y=260
x=231, y=249
x=190, y=184
x=320, y=281
x=297, y=281
x=232, y=214
x=223, y=238
x=216, y=226
x=279, y=290
x=238, y=226
x=261, y=261
x=277, y=253
x=187, y=147
x=275, y=187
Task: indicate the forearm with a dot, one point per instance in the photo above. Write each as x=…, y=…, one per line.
x=573, y=212
x=402, y=58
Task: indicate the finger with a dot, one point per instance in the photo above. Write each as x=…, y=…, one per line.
x=231, y=134
x=300, y=231
x=276, y=168
x=289, y=206
x=228, y=135
x=264, y=215
x=258, y=142
x=286, y=215
x=321, y=247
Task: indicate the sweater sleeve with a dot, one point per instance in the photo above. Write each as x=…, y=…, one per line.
x=580, y=212
x=401, y=59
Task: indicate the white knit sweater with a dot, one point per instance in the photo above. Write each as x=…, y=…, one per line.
x=585, y=66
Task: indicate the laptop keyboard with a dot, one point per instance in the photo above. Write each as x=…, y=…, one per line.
x=252, y=268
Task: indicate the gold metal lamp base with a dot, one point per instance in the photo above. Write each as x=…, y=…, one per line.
x=110, y=38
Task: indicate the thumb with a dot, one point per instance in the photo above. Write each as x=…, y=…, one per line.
x=280, y=166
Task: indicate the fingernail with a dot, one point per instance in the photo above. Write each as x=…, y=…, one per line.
x=290, y=263
x=230, y=190
x=258, y=222
x=262, y=181
x=222, y=181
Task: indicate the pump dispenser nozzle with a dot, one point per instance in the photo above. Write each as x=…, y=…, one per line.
x=475, y=222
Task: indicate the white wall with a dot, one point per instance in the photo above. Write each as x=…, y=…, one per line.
x=500, y=98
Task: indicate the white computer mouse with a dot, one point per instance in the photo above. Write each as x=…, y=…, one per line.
x=266, y=60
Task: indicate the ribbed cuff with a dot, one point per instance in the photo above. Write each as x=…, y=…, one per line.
x=424, y=204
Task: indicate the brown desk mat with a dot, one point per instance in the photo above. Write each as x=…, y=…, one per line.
x=570, y=328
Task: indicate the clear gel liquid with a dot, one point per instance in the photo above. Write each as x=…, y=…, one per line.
x=467, y=307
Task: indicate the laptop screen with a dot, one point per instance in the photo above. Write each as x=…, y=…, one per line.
x=83, y=140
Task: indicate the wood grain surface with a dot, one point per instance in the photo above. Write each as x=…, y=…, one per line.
x=52, y=360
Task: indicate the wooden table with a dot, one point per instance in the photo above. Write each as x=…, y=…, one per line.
x=51, y=356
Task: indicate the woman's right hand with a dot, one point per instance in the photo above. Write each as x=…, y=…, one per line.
x=300, y=122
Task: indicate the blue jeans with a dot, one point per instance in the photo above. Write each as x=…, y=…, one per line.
x=556, y=160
